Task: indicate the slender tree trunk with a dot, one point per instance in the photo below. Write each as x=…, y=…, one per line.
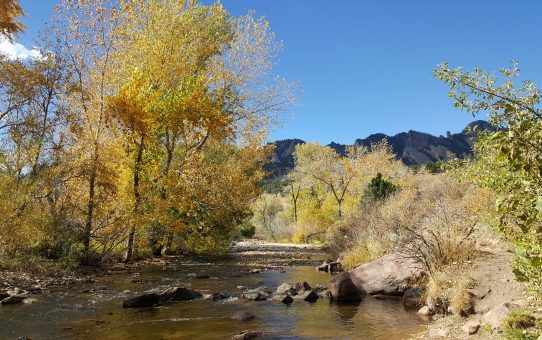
x=295, y=211
x=91, y=199
x=137, y=198
x=340, y=210
x=169, y=243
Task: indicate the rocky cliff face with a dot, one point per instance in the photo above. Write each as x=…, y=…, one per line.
x=411, y=147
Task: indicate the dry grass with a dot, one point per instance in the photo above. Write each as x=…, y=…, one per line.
x=448, y=294
x=434, y=216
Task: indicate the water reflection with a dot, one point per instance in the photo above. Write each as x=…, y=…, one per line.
x=98, y=315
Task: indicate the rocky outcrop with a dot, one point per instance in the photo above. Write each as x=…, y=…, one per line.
x=341, y=288
x=391, y=274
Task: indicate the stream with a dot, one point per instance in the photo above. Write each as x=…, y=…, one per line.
x=94, y=310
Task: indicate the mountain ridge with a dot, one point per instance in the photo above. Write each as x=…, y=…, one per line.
x=412, y=147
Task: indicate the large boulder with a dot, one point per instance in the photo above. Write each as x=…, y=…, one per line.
x=341, y=288
x=141, y=301
x=179, y=294
x=391, y=274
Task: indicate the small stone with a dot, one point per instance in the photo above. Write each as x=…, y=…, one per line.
x=243, y=316
x=308, y=295
x=286, y=288
x=436, y=333
x=424, y=311
x=284, y=298
x=471, y=327
x=246, y=335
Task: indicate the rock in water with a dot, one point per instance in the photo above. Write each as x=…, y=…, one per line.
x=13, y=300
x=243, y=316
x=179, y=294
x=286, y=288
x=284, y=298
x=301, y=287
x=308, y=295
x=412, y=297
x=246, y=335
x=3, y=295
x=341, y=288
x=391, y=274
x=219, y=296
x=335, y=267
x=141, y=301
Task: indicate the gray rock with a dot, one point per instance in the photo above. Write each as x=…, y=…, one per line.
x=471, y=327
x=479, y=292
x=301, y=287
x=13, y=300
x=246, y=335
x=425, y=311
x=412, y=297
x=341, y=288
x=496, y=315
x=284, y=298
x=286, y=288
x=391, y=274
x=141, y=301
x=307, y=295
x=335, y=267
x=3, y=295
x=437, y=333
x=219, y=296
x=179, y=294
x=243, y=316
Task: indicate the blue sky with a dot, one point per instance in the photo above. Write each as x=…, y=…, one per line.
x=365, y=66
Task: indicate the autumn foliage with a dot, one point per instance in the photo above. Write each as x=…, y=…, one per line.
x=140, y=129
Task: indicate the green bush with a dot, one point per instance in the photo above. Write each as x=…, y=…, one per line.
x=379, y=188
x=247, y=229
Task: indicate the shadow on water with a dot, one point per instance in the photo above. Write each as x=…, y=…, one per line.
x=74, y=313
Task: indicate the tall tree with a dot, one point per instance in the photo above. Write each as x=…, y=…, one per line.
x=324, y=165
x=10, y=25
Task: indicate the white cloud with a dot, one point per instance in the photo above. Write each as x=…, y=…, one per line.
x=14, y=50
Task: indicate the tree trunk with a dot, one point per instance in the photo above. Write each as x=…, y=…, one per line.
x=91, y=198
x=137, y=198
x=169, y=243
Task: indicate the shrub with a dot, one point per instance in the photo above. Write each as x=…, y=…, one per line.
x=521, y=324
x=379, y=188
x=247, y=229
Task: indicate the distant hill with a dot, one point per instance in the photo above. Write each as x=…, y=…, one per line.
x=411, y=147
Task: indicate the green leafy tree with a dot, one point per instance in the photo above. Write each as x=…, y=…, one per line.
x=508, y=160
x=379, y=188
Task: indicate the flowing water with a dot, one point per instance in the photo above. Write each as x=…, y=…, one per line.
x=73, y=312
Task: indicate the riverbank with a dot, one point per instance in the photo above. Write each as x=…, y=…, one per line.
x=495, y=292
